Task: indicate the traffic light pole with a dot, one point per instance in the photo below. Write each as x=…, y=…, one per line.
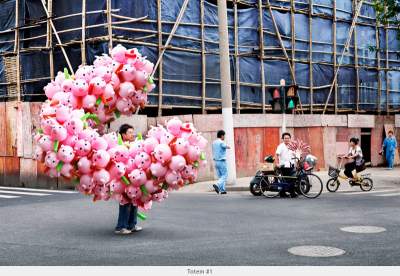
x=283, y=93
x=226, y=93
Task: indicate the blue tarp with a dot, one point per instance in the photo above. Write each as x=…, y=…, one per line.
x=186, y=66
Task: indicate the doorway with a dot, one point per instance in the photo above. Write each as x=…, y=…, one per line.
x=366, y=144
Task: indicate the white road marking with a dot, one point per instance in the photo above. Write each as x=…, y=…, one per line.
x=316, y=251
x=23, y=193
x=393, y=194
x=6, y=196
x=363, y=229
x=371, y=192
x=37, y=190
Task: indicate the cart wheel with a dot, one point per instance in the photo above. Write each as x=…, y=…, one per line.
x=311, y=186
x=267, y=188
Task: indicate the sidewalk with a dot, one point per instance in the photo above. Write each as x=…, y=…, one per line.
x=381, y=177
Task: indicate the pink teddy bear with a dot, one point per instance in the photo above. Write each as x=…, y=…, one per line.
x=117, y=187
x=128, y=72
x=149, y=144
x=89, y=101
x=66, y=170
x=85, y=73
x=50, y=89
x=181, y=146
x=124, y=105
x=71, y=140
x=118, y=53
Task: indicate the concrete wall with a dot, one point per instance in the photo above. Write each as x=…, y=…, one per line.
x=256, y=135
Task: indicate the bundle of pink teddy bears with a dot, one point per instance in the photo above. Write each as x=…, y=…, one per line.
x=105, y=167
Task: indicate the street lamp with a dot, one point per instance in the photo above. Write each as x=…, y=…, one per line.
x=283, y=83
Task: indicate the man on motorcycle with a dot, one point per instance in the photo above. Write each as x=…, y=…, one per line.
x=284, y=160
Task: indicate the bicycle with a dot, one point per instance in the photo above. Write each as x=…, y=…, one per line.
x=305, y=182
x=363, y=181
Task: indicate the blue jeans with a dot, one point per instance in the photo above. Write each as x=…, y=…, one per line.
x=127, y=217
x=222, y=173
x=390, y=158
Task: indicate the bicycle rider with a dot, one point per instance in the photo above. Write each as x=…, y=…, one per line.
x=355, y=154
x=284, y=160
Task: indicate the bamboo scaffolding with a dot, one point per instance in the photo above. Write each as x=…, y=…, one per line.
x=17, y=51
x=236, y=55
x=310, y=55
x=160, y=69
x=261, y=34
x=262, y=53
x=174, y=28
x=83, y=43
x=58, y=38
x=334, y=53
x=356, y=62
x=109, y=25
x=387, y=71
x=203, y=61
x=378, y=57
x=344, y=50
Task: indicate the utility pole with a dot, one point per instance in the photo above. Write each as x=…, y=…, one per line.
x=226, y=93
x=283, y=94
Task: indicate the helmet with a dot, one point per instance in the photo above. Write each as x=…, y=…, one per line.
x=309, y=162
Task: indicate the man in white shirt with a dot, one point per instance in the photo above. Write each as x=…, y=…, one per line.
x=284, y=160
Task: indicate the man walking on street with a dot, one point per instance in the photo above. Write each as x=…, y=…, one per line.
x=127, y=217
x=219, y=156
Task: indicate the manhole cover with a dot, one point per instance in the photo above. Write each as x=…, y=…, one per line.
x=363, y=229
x=316, y=251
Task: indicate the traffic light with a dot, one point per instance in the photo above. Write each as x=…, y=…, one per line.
x=284, y=98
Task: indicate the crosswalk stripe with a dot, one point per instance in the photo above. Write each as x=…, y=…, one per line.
x=370, y=192
x=23, y=193
x=6, y=196
x=37, y=190
x=393, y=194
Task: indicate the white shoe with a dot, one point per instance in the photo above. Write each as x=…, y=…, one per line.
x=136, y=229
x=123, y=231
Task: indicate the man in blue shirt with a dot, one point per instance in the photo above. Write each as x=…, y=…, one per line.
x=219, y=156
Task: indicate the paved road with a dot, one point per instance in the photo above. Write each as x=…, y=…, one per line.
x=199, y=229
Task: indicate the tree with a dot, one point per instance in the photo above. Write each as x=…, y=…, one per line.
x=387, y=12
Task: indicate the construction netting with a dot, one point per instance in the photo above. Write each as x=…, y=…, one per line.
x=313, y=36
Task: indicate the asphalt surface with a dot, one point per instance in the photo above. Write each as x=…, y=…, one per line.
x=201, y=229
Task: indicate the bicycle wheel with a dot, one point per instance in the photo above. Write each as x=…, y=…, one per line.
x=332, y=185
x=269, y=187
x=366, y=184
x=310, y=186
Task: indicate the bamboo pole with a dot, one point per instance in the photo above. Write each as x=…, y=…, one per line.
x=109, y=25
x=174, y=28
x=310, y=55
x=378, y=56
x=344, y=50
x=16, y=50
x=237, y=62
x=387, y=70
x=261, y=33
x=58, y=38
x=293, y=37
x=334, y=53
x=83, y=43
x=278, y=34
x=356, y=62
x=203, y=61
x=160, y=69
